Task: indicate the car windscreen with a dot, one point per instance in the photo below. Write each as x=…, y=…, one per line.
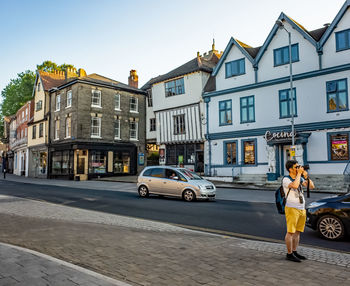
x=189, y=174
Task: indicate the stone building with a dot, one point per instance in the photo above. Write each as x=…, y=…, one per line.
x=96, y=128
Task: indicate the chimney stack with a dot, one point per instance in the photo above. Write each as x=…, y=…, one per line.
x=133, y=79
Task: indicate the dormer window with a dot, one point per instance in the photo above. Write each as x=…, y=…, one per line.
x=342, y=40
x=281, y=55
x=235, y=68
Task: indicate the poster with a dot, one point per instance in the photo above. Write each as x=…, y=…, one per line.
x=340, y=147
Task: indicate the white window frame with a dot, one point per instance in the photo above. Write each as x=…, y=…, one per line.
x=68, y=127
x=136, y=104
x=58, y=102
x=69, y=99
x=57, y=129
x=25, y=132
x=136, y=130
x=95, y=135
x=93, y=93
x=117, y=136
x=117, y=95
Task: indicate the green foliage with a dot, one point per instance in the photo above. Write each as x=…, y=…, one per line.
x=49, y=66
x=17, y=93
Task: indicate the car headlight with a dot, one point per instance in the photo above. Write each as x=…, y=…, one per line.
x=202, y=188
x=315, y=205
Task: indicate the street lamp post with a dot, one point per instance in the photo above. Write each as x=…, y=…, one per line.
x=281, y=26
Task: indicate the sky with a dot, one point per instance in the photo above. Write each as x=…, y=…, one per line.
x=111, y=37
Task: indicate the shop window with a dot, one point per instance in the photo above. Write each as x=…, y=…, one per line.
x=42, y=162
x=339, y=146
x=247, y=109
x=56, y=163
x=230, y=153
x=235, y=68
x=225, y=112
x=249, y=152
x=281, y=55
x=342, y=40
x=337, y=95
x=97, y=162
x=285, y=102
x=62, y=162
x=121, y=164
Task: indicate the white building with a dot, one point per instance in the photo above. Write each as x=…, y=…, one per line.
x=175, y=112
x=249, y=112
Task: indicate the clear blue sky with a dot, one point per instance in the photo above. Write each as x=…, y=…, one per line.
x=110, y=37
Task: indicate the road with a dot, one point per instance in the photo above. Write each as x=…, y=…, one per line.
x=251, y=219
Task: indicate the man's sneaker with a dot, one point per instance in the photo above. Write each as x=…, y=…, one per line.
x=297, y=255
x=292, y=257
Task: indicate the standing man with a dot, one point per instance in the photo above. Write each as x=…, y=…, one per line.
x=295, y=207
x=4, y=164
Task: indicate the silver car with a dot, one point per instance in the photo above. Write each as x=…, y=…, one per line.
x=171, y=181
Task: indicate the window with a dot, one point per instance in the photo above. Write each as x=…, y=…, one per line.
x=133, y=129
x=58, y=102
x=117, y=129
x=150, y=99
x=22, y=133
x=57, y=129
x=39, y=86
x=34, y=132
x=98, y=162
x=25, y=132
x=133, y=104
x=96, y=127
x=281, y=55
x=337, y=95
x=179, y=124
x=230, y=153
x=41, y=130
x=285, y=102
x=152, y=123
x=235, y=68
x=175, y=87
x=68, y=127
x=117, y=101
x=247, y=109
x=96, y=98
x=249, y=152
x=22, y=115
x=339, y=146
x=225, y=112
x=121, y=163
x=39, y=105
x=342, y=40
x=69, y=98
x=26, y=114
x=158, y=172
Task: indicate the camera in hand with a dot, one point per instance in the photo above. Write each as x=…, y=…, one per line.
x=306, y=167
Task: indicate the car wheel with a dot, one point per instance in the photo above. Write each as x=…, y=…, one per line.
x=330, y=227
x=143, y=192
x=189, y=195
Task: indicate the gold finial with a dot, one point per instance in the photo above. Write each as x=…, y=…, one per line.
x=213, y=45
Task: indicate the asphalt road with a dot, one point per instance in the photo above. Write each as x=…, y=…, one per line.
x=236, y=218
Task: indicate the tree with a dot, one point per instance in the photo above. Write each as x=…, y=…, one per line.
x=17, y=93
x=49, y=66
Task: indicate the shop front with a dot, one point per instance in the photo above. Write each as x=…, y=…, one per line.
x=87, y=161
x=280, y=150
x=37, y=167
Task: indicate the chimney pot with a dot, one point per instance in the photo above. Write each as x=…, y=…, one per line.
x=133, y=79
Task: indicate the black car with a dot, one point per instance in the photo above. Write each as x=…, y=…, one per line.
x=330, y=216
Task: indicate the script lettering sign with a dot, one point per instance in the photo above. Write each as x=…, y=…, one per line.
x=278, y=135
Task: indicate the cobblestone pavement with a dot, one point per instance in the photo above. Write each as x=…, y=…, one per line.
x=140, y=252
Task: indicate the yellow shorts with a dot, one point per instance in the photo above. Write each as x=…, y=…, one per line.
x=295, y=219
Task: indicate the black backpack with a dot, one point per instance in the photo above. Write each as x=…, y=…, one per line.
x=280, y=197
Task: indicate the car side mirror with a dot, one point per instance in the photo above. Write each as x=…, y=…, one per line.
x=176, y=178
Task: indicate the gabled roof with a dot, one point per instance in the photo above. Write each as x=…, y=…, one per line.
x=51, y=79
x=200, y=63
x=294, y=24
x=334, y=24
x=246, y=50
